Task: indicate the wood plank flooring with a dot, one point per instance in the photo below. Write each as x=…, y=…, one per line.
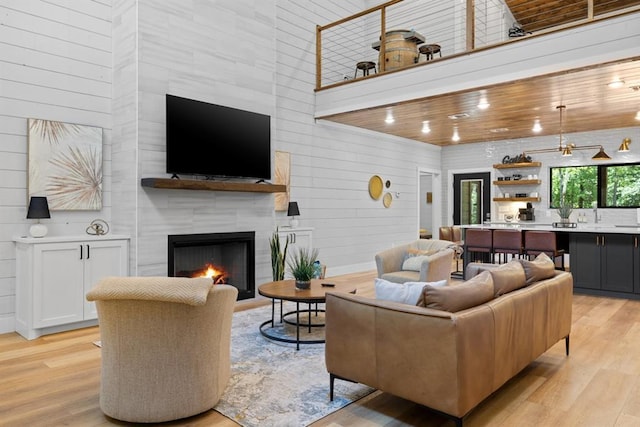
x=54, y=380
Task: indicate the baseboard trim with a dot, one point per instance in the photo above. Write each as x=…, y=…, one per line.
x=348, y=269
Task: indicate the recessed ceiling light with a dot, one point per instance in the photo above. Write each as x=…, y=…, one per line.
x=425, y=127
x=483, y=104
x=499, y=130
x=456, y=136
x=458, y=116
x=536, y=126
x=638, y=115
x=615, y=84
x=389, y=118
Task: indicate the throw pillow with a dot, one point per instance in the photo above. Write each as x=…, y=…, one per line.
x=508, y=277
x=414, y=257
x=539, y=269
x=413, y=263
x=452, y=298
x=406, y=293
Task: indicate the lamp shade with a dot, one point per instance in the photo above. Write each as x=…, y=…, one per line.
x=601, y=155
x=38, y=208
x=293, y=209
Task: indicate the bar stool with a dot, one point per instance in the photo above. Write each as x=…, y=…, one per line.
x=454, y=235
x=478, y=245
x=445, y=233
x=507, y=242
x=365, y=66
x=536, y=242
x=429, y=50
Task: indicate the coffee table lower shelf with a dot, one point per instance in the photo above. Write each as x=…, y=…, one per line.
x=268, y=325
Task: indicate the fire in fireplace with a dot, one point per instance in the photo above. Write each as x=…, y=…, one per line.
x=224, y=257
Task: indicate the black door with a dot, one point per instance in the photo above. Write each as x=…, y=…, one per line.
x=471, y=198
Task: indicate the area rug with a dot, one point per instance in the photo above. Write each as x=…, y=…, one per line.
x=272, y=383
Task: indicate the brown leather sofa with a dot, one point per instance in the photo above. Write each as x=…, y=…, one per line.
x=449, y=362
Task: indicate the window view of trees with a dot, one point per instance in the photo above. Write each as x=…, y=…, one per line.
x=580, y=186
x=621, y=186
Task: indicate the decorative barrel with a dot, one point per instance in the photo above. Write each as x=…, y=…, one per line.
x=399, y=52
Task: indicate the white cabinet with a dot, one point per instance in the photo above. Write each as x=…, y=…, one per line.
x=298, y=238
x=53, y=276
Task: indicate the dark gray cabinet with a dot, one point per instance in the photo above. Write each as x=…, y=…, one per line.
x=605, y=262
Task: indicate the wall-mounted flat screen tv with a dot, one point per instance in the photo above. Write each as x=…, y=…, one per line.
x=214, y=140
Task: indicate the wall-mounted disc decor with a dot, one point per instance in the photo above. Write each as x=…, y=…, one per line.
x=387, y=199
x=387, y=184
x=375, y=187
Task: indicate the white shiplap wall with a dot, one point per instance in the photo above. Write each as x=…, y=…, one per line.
x=217, y=52
x=55, y=64
x=332, y=164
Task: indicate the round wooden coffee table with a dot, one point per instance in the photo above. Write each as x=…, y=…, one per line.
x=285, y=290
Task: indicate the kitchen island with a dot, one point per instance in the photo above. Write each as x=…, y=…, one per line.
x=603, y=258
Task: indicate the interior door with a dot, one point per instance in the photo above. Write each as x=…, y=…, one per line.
x=471, y=198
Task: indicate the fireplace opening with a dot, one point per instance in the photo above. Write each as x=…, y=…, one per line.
x=224, y=257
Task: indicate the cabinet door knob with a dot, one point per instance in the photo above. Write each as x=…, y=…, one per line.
x=81, y=253
x=88, y=252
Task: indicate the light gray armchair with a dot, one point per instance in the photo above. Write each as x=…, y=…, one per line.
x=431, y=268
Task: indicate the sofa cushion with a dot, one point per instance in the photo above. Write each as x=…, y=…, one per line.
x=406, y=293
x=539, y=269
x=508, y=277
x=414, y=257
x=454, y=298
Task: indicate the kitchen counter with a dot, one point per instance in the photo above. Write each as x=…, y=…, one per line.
x=603, y=258
x=581, y=228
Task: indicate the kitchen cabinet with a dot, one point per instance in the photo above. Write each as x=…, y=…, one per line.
x=604, y=261
x=513, y=184
x=53, y=276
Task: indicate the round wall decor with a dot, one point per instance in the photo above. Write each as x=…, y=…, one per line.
x=375, y=187
x=387, y=199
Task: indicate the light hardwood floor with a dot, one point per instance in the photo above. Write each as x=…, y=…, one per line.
x=54, y=380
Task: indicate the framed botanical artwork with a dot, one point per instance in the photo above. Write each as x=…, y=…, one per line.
x=65, y=164
x=282, y=177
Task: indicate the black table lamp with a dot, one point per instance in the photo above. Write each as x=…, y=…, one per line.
x=38, y=209
x=293, y=211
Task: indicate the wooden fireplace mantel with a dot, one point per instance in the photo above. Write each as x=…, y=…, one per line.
x=204, y=185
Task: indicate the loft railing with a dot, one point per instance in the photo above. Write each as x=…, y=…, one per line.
x=389, y=36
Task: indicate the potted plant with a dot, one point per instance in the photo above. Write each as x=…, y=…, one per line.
x=278, y=256
x=564, y=209
x=302, y=268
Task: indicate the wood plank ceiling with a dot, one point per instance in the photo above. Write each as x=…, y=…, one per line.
x=514, y=106
x=535, y=15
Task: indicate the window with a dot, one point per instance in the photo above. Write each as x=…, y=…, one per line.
x=620, y=186
x=605, y=186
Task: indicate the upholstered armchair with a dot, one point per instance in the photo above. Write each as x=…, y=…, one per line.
x=166, y=345
x=432, y=260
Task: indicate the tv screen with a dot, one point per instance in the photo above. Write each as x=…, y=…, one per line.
x=213, y=140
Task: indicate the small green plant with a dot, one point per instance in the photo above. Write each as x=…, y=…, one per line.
x=564, y=208
x=278, y=257
x=301, y=264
